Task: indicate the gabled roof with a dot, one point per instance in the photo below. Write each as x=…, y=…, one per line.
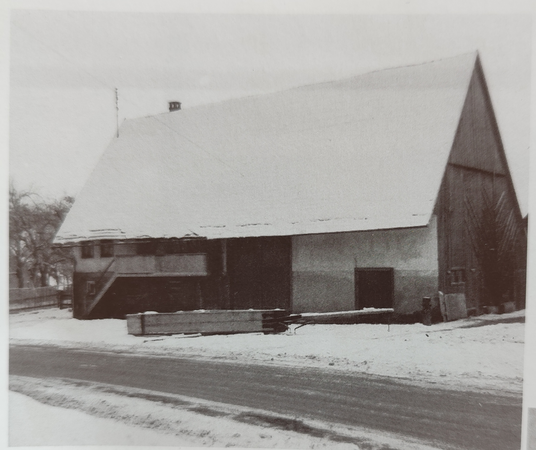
x=362, y=153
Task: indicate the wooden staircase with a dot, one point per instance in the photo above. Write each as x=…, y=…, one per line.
x=105, y=281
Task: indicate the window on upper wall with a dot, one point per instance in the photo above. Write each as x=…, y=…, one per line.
x=106, y=249
x=88, y=250
x=457, y=275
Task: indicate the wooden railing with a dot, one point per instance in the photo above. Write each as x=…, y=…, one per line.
x=102, y=284
x=102, y=279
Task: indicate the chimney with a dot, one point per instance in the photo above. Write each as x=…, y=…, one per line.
x=174, y=106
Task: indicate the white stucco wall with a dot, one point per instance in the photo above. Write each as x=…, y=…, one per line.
x=323, y=266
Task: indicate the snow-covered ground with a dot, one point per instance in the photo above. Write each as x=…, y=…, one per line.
x=65, y=412
x=35, y=424
x=484, y=352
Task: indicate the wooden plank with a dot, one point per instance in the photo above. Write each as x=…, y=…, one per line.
x=199, y=318
x=311, y=318
x=205, y=322
x=359, y=312
x=453, y=306
x=204, y=328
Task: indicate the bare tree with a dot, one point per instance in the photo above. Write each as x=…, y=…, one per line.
x=33, y=224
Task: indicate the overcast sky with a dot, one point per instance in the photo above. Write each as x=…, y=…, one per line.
x=66, y=65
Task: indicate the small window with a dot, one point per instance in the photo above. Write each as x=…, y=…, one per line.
x=146, y=248
x=90, y=286
x=88, y=250
x=457, y=275
x=106, y=249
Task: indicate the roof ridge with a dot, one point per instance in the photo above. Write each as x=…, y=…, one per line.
x=385, y=69
x=475, y=52
x=302, y=86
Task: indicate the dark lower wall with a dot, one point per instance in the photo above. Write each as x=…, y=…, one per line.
x=162, y=294
x=130, y=295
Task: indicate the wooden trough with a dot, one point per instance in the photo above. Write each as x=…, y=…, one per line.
x=207, y=322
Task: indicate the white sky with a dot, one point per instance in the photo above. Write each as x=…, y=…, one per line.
x=66, y=64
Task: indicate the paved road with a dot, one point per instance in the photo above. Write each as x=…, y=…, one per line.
x=447, y=419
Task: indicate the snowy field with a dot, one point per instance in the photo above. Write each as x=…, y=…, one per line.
x=484, y=352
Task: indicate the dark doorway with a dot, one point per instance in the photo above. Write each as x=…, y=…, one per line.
x=260, y=272
x=374, y=287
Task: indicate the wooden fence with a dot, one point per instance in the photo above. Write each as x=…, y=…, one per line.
x=29, y=298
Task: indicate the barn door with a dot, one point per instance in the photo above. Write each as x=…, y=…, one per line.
x=374, y=287
x=259, y=272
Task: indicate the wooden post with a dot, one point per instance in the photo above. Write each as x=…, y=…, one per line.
x=199, y=294
x=117, y=112
x=224, y=257
x=427, y=311
x=226, y=294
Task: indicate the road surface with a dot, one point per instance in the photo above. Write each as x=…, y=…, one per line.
x=444, y=418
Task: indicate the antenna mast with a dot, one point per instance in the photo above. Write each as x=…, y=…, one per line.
x=117, y=112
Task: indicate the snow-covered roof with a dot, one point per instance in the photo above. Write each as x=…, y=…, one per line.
x=362, y=153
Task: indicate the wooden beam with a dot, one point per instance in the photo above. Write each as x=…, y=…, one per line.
x=224, y=256
x=475, y=169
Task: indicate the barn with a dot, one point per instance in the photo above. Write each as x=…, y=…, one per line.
x=372, y=191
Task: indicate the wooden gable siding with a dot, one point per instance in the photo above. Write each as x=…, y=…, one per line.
x=476, y=168
x=476, y=144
